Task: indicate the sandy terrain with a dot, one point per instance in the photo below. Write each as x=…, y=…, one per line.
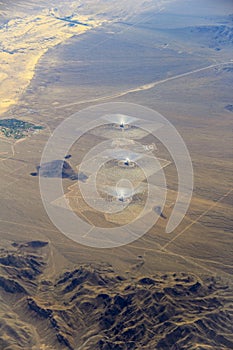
x=165, y=290
x=24, y=41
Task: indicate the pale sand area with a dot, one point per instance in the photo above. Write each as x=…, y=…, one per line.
x=23, y=41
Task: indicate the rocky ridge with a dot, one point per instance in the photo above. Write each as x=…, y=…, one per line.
x=92, y=307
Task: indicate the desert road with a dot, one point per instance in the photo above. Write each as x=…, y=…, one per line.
x=144, y=87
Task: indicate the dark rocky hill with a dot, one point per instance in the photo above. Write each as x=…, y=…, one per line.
x=211, y=36
x=91, y=307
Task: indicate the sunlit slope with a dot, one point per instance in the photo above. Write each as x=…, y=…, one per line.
x=27, y=32
x=24, y=41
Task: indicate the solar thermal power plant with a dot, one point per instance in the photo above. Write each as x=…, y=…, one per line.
x=116, y=175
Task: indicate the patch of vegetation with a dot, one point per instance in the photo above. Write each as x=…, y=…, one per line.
x=16, y=128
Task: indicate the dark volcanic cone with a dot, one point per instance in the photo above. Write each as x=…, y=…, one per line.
x=58, y=168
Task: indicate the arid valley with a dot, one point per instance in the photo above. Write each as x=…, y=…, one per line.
x=164, y=290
